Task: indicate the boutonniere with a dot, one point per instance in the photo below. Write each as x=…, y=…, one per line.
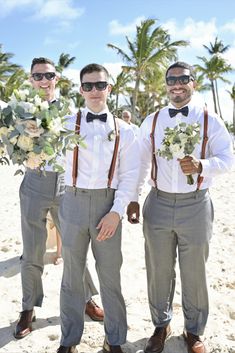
x=111, y=135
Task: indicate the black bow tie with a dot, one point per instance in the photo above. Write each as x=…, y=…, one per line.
x=90, y=117
x=173, y=112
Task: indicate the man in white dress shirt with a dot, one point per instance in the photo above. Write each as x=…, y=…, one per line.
x=179, y=216
x=97, y=192
x=41, y=192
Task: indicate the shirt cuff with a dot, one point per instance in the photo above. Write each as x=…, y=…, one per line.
x=205, y=167
x=119, y=208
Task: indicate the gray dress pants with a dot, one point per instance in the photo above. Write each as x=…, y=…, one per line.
x=80, y=213
x=180, y=222
x=40, y=192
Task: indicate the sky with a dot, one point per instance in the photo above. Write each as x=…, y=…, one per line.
x=33, y=28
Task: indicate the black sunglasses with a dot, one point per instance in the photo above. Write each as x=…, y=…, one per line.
x=99, y=86
x=183, y=80
x=38, y=76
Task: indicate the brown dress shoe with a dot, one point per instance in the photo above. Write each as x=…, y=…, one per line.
x=157, y=341
x=195, y=345
x=107, y=348
x=24, y=324
x=63, y=349
x=94, y=311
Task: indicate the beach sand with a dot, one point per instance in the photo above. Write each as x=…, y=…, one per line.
x=220, y=332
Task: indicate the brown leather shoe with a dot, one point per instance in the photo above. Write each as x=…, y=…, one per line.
x=194, y=343
x=107, y=348
x=24, y=324
x=94, y=311
x=63, y=349
x=157, y=341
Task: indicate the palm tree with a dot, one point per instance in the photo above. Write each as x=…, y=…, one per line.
x=65, y=85
x=214, y=70
x=119, y=87
x=217, y=47
x=64, y=62
x=232, y=95
x=151, y=47
x=153, y=96
x=13, y=82
x=6, y=70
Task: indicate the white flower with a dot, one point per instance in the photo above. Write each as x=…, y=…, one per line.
x=23, y=94
x=37, y=100
x=34, y=160
x=111, y=135
x=25, y=143
x=32, y=129
x=177, y=151
x=3, y=131
x=56, y=126
x=28, y=107
x=44, y=105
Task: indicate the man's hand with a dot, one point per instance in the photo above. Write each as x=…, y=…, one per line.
x=108, y=226
x=133, y=212
x=190, y=165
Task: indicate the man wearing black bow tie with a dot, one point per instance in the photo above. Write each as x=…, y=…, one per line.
x=178, y=216
x=100, y=179
x=41, y=192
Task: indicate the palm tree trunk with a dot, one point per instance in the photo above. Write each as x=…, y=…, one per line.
x=217, y=96
x=134, y=99
x=214, y=96
x=116, y=105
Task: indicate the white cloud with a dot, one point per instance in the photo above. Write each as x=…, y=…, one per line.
x=196, y=32
x=42, y=9
x=229, y=27
x=7, y=6
x=73, y=75
x=62, y=9
x=114, y=69
x=230, y=55
x=116, y=28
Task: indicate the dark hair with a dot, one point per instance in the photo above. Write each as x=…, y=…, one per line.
x=41, y=60
x=88, y=69
x=183, y=65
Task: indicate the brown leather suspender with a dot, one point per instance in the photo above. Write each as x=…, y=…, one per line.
x=76, y=150
x=204, y=142
x=115, y=152
x=154, y=160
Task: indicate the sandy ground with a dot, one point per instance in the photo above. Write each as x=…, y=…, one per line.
x=220, y=332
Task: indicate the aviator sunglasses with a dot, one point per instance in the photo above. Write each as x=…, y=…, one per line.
x=183, y=80
x=99, y=86
x=38, y=76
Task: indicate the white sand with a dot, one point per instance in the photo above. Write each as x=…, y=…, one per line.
x=220, y=331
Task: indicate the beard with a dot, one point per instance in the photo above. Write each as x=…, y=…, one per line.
x=181, y=98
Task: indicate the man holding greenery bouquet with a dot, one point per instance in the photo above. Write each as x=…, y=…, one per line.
x=187, y=147
x=32, y=129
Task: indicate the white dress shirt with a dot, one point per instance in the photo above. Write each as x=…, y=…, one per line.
x=95, y=159
x=170, y=178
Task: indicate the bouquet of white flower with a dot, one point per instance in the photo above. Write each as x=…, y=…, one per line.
x=179, y=142
x=33, y=131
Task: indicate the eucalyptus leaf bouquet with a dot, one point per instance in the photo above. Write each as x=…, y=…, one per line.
x=32, y=131
x=179, y=142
